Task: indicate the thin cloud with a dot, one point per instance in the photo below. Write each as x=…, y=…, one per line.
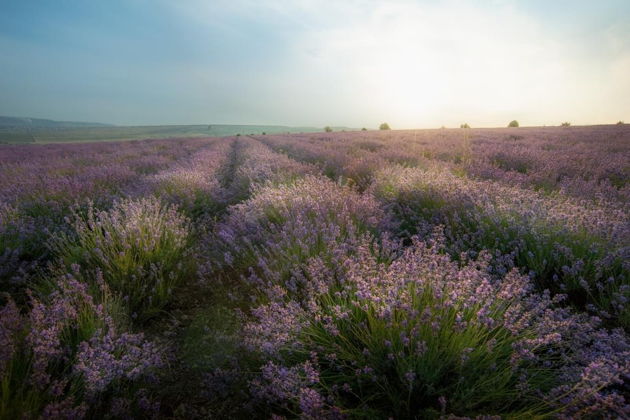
x=307, y=62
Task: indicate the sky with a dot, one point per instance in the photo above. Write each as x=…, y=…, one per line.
x=355, y=63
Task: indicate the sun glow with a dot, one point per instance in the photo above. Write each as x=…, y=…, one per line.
x=422, y=65
x=413, y=63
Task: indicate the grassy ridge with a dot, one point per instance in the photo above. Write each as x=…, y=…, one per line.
x=21, y=135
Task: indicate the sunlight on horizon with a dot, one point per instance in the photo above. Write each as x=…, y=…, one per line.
x=357, y=63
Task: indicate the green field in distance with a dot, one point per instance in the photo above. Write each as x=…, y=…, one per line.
x=26, y=134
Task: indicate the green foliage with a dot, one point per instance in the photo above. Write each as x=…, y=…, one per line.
x=565, y=124
x=513, y=123
x=414, y=362
x=95, y=314
x=364, y=129
x=538, y=246
x=139, y=246
x=384, y=126
x=24, y=135
x=328, y=129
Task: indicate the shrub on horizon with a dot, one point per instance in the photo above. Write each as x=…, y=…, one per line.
x=620, y=123
x=328, y=129
x=465, y=125
x=565, y=124
x=384, y=126
x=513, y=123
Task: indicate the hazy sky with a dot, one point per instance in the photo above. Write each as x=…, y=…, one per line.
x=305, y=62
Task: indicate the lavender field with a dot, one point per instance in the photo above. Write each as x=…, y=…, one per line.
x=420, y=274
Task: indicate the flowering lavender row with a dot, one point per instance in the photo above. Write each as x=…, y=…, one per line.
x=251, y=165
x=354, y=161
x=302, y=211
x=113, y=271
x=69, y=349
x=262, y=165
x=39, y=185
x=114, y=261
x=429, y=274
x=571, y=244
x=55, y=174
x=194, y=183
x=586, y=162
x=349, y=323
x=567, y=245
x=139, y=249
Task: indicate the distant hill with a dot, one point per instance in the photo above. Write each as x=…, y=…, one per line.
x=25, y=122
x=35, y=130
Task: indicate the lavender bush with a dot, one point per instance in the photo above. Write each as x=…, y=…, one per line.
x=287, y=224
x=422, y=336
x=194, y=184
x=39, y=185
x=61, y=357
x=569, y=246
x=139, y=246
